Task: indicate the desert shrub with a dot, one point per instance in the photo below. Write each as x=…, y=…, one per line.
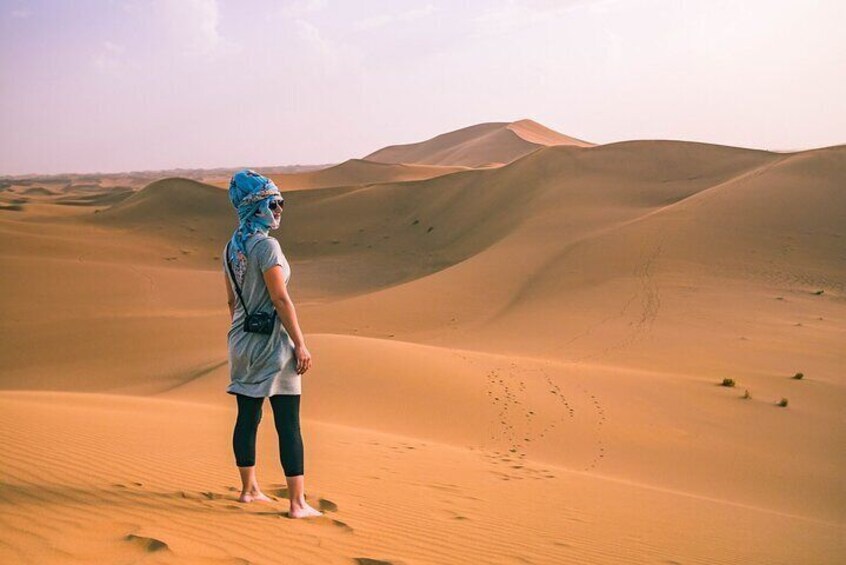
x=727, y=382
x=746, y=395
x=799, y=376
x=782, y=402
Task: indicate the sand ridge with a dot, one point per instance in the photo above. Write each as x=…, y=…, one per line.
x=481, y=145
x=361, y=172
x=385, y=497
x=512, y=363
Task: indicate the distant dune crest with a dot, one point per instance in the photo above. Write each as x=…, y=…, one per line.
x=538, y=134
x=480, y=145
x=360, y=171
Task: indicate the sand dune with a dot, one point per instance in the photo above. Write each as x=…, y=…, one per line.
x=536, y=346
x=167, y=200
x=96, y=183
x=555, y=196
x=103, y=198
x=171, y=497
x=37, y=191
x=359, y=172
x=481, y=145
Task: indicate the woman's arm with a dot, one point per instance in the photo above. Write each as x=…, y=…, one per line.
x=274, y=278
x=230, y=296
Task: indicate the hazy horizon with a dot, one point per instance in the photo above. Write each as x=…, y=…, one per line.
x=93, y=87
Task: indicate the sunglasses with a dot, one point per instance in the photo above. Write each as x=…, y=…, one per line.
x=274, y=203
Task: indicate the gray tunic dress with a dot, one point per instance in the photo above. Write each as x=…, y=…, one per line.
x=260, y=365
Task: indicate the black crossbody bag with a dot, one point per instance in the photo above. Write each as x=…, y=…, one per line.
x=258, y=322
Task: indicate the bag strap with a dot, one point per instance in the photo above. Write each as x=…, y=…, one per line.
x=234, y=282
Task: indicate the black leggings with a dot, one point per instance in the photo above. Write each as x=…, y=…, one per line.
x=286, y=415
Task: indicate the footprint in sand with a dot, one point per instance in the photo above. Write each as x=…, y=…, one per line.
x=332, y=521
x=149, y=545
x=600, y=421
x=325, y=505
x=321, y=520
x=280, y=492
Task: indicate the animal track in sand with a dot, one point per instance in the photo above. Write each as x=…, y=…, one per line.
x=506, y=389
x=517, y=419
x=402, y=446
x=502, y=390
x=640, y=322
x=599, y=453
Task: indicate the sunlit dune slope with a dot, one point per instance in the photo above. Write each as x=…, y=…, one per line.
x=568, y=246
x=585, y=417
x=481, y=145
x=595, y=258
x=550, y=335
x=386, y=234
x=539, y=134
x=369, y=235
x=554, y=197
x=164, y=490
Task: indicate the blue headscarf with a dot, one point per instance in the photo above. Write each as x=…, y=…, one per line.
x=249, y=193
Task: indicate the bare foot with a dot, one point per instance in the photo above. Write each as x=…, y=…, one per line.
x=253, y=496
x=303, y=511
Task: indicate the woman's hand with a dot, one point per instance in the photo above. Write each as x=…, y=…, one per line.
x=303, y=359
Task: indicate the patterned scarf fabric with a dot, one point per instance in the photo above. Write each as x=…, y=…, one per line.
x=250, y=194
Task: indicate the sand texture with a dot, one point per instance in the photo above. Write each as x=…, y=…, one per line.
x=518, y=342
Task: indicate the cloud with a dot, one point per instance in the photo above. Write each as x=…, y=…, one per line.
x=194, y=24
x=328, y=53
x=325, y=54
x=514, y=14
x=381, y=20
x=296, y=8
x=110, y=57
x=208, y=18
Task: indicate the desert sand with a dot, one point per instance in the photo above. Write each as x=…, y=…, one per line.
x=518, y=338
x=488, y=144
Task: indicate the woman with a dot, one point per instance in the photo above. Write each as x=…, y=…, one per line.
x=264, y=365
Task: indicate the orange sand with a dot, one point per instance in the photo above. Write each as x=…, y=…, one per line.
x=517, y=364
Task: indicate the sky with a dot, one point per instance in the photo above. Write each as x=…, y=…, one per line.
x=126, y=85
